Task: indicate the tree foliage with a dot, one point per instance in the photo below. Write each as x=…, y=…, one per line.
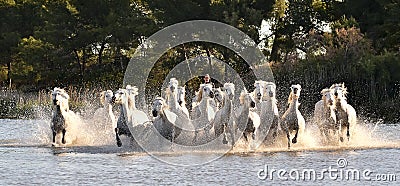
x=313, y=42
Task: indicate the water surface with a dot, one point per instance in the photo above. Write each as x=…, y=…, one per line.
x=26, y=158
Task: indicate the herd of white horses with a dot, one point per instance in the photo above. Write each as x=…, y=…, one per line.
x=214, y=116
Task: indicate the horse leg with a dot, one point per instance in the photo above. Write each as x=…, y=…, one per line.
x=119, y=143
x=285, y=128
x=63, y=136
x=54, y=136
x=245, y=136
x=294, y=140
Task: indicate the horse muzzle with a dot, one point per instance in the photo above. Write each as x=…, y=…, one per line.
x=211, y=94
x=155, y=113
x=253, y=104
x=259, y=96
x=271, y=94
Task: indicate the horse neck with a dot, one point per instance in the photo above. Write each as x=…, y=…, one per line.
x=245, y=110
x=131, y=102
x=228, y=104
x=172, y=100
x=126, y=110
x=108, y=108
x=57, y=111
x=294, y=105
x=341, y=104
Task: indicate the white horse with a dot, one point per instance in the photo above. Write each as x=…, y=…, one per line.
x=181, y=100
x=269, y=114
x=224, y=120
x=345, y=113
x=247, y=121
x=130, y=118
x=292, y=120
x=324, y=114
x=175, y=96
x=165, y=120
x=204, y=112
x=62, y=116
x=139, y=116
x=104, y=119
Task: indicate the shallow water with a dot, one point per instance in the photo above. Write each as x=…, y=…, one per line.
x=26, y=157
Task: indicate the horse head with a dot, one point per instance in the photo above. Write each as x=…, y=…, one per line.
x=270, y=90
x=60, y=98
x=339, y=90
x=106, y=97
x=173, y=85
x=328, y=97
x=218, y=95
x=294, y=93
x=229, y=89
x=259, y=90
x=206, y=91
x=158, y=105
x=247, y=99
x=120, y=96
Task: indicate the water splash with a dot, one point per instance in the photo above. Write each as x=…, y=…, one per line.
x=92, y=128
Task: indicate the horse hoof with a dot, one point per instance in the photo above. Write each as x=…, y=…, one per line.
x=224, y=141
x=294, y=140
x=119, y=143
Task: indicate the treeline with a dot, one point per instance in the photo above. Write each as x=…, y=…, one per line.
x=88, y=43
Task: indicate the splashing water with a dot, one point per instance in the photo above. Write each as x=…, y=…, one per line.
x=91, y=127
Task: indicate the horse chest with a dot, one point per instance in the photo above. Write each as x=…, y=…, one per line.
x=291, y=120
x=250, y=126
x=58, y=122
x=342, y=117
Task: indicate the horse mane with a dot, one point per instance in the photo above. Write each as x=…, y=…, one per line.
x=341, y=85
x=165, y=105
x=200, y=93
x=241, y=97
x=290, y=99
x=132, y=90
x=229, y=85
x=271, y=83
x=173, y=80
